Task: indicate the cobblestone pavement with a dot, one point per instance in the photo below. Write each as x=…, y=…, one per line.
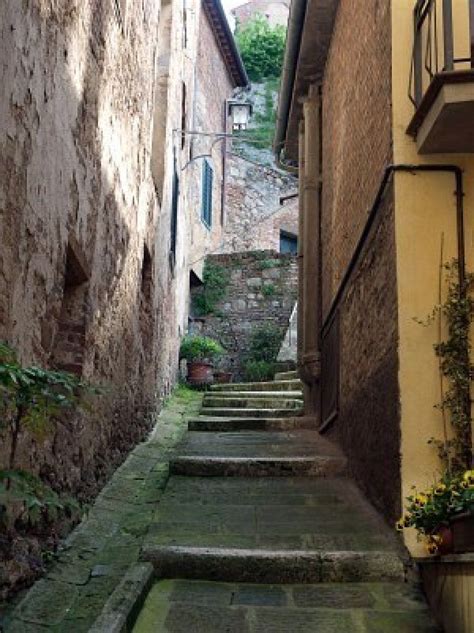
x=97, y=555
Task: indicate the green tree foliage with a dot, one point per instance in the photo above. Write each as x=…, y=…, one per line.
x=262, y=47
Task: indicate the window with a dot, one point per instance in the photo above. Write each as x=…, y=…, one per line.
x=206, y=194
x=69, y=346
x=288, y=243
x=183, y=115
x=174, y=211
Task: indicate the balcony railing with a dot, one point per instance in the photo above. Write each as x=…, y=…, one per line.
x=443, y=42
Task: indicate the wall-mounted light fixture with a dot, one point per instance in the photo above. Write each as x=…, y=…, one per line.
x=240, y=111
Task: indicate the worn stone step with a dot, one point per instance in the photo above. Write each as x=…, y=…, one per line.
x=275, y=385
x=196, y=466
x=229, y=412
x=257, y=454
x=252, y=403
x=295, y=394
x=200, y=606
x=249, y=424
x=273, y=566
x=286, y=375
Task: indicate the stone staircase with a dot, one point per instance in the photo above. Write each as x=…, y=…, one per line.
x=261, y=530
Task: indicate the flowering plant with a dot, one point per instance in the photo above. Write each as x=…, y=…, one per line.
x=429, y=511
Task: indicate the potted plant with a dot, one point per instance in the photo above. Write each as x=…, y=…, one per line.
x=443, y=515
x=199, y=352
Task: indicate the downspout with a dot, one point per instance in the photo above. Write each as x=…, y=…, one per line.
x=301, y=298
x=407, y=168
x=292, y=51
x=310, y=368
x=412, y=169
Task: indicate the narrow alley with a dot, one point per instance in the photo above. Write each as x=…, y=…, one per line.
x=236, y=316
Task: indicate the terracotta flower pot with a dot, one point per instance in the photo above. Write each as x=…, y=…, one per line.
x=445, y=546
x=223, y=377
x=462, y=527
x=199, y=373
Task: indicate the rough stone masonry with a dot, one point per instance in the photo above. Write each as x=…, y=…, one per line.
x=262, y=289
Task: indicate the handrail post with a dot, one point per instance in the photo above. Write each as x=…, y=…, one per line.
x=448, y=35
x=417, y=58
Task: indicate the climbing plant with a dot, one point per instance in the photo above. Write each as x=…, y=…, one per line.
x=215, y=282
x=31, y=402
x=455, y=367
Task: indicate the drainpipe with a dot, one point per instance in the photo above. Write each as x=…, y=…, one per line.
x=311, y=322
x=301, y=232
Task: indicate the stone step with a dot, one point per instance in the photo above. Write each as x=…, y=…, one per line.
x=257, y=454
x=230, y=412
x=317, y=466
x=249, y=424
x=276, y=385
x=200, y=606
x=286, y=375
x=261, y=395
x=251, y=403
x=273, y=566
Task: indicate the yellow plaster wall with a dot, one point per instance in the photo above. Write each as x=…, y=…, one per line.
x=425, y=208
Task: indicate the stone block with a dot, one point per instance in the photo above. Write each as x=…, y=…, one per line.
x=254, y=282
x=240, y=305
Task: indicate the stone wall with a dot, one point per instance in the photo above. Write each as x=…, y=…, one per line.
x=261, y=290
x=357, y=146
x=85, y=281
x=254, y=215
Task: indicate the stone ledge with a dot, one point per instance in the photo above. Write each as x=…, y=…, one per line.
x=456, y=559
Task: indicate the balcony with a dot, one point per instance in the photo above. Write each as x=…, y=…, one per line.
x=441, y=85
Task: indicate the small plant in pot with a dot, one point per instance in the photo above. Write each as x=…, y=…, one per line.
x=200, y=352
x=443, y=515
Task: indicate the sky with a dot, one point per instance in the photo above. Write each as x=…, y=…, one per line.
x=228, y=5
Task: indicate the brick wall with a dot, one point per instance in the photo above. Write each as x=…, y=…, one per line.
x=247, y=305
x=357, y=146
x=368, y=425
x=357, y=142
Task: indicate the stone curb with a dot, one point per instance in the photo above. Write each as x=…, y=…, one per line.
x=122, y=608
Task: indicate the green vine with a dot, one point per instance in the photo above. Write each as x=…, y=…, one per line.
x=213, y=290
x=455, y=369
x=32, y=401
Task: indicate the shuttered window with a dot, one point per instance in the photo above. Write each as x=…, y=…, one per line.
x=206, y=195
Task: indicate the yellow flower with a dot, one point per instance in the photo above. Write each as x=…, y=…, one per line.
x=400, y=525
x=421, y=499
x=468, y=477
x=440, y=488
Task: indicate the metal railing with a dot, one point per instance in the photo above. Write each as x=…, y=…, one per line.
x=443, y=41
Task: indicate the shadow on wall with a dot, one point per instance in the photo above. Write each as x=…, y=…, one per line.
x=77, y=274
